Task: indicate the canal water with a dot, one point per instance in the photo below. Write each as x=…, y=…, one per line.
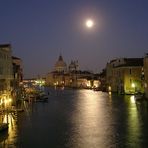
x=79, y=119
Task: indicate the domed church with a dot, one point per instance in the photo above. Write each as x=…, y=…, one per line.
x=60, y=65
x=69, y=76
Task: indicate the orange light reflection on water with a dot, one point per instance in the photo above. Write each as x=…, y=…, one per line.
x=133, y=125
x=11, y=139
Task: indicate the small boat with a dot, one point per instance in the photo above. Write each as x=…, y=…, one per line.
x=3, y=126
x=20, y=110
x=42, y=97
x=3, y=136
x=139, y=97
x=97, y=89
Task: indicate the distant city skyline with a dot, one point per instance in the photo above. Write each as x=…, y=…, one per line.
x=39, y=31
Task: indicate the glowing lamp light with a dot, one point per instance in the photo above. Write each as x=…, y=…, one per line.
x=10, y=100
x=2, y=101
x=133, y=85
x=110, y=93
x=109, y=88
x=96, y=84
x=88, y=84
x=6, y=101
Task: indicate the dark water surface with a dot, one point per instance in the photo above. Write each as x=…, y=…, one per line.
x=79, y=119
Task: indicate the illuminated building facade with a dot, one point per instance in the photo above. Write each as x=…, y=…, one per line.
x=6, y=69
x=58, y=76
x=17, y=79
x=145, y=75
x=71, y=76
x=6, y=75
x=10, y=76
x=124, y=75
x=60, y=65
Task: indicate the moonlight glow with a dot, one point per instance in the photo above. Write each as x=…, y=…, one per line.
x=89, y=23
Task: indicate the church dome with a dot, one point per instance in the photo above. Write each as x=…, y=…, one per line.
x=73, y=66
x=60, y=65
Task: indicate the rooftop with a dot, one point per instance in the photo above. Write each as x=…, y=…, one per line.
x=4, y=45
x=131, y=62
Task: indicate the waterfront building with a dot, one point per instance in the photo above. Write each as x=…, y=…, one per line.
x=60, y=65
x=17, y=90
x=83, y=79
x=145, y=75
x=10, y=76
x=6, y=69
x=17, y=71
x=6, y=75
x=57, y=76
x=71, y=76
x=123, y=75
x=33, y=82
x=73, y=66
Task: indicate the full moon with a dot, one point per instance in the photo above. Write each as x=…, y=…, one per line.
x=89, y=23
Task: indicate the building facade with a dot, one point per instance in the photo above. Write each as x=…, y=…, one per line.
x=17, y=71
x=124, y=75
x=60, y=65
x=73, y=66
x=71, y=76
x=57, y=77
x=145, y=75
x=10, y=76
x=6, y=68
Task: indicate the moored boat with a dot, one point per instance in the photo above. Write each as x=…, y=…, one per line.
x=3, y=126
x=42, y=97
x=139, y=97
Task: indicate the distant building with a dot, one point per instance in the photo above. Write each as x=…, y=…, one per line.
x=60, y=65
x=123, y=75
x=6, y=69
x=71, y=77
x=28, y=83
x=73, y=66
x=57, y=76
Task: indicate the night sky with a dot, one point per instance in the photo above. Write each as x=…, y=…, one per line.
x=39, y=30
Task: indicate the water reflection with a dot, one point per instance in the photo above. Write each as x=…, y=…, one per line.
x=132, y=99
x=92, y=121
x=10, y=135
x=79, y=119
x=133, y=124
